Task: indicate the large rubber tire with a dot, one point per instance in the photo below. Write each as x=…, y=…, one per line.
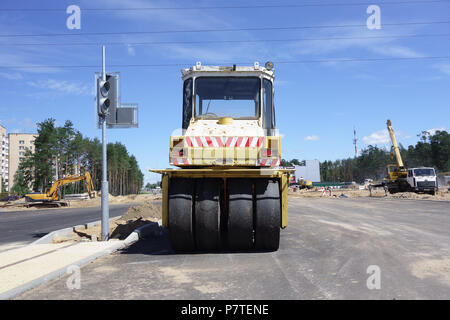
x=393, y=188
x=268, y=215
x=181, y=224
x=207, y=214
x=240, y=214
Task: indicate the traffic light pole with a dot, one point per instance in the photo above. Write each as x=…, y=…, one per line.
x=105, y=191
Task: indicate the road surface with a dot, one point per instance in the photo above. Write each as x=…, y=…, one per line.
x=22, y=227
x=358, y=248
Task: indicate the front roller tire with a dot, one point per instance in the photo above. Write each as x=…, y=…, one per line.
x=268, y=215
x=207, y=214
x=181, y=225
x=240, y=214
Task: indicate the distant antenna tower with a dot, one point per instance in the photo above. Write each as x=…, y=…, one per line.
x=354, y=142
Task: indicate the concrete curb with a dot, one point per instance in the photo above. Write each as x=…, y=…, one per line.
x=48, y=238
x=151, y=229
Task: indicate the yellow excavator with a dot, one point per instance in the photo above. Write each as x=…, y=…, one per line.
x=53, y=195
x=304, y=184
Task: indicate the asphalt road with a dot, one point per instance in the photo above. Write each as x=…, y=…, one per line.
x=332, y=249
x=22, y=227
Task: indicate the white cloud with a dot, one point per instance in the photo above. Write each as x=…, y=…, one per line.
x=20, y=61
x=379, y=137
x=15, y=125
x=61, y=86
x=11, y=75
x=131, y=50
x=176, y=18
x=396, y=51
x=312, y=138
x=361, y=39
x=433, y=131
x=443, y=67
x=382, y=137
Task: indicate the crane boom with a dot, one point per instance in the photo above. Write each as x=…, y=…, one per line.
x=398, y=156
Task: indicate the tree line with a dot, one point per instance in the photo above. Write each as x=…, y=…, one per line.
x=60, y=151
x=432, y=150
x=153, y=185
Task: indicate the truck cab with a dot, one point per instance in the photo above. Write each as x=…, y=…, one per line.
x=422, y=179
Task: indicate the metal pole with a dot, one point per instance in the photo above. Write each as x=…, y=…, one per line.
x=105, y=191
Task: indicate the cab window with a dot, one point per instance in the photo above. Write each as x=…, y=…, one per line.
x=268, y=109
x=187, y=103
x=235, y=97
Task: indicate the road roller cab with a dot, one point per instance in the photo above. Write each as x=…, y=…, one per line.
x=229, y=192
x=228, y=118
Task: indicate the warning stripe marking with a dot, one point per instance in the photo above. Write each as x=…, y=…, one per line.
x=229, y=142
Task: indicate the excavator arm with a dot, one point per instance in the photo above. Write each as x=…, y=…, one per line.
x=52, y=194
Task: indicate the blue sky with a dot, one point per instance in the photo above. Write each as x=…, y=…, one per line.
x=317, y=103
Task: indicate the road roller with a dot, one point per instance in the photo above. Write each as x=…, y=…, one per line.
x=226, y=190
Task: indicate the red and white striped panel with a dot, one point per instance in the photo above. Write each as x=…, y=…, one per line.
x=224, y=142
x=181, y=161
x=269, y=162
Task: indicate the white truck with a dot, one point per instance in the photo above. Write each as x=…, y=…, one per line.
x=422, y=179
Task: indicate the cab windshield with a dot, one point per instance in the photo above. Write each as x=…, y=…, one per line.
x=236, y=97
x=423, y=172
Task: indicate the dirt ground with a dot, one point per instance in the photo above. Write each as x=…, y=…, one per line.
x=120, y=228
x=379, y=192
x=113, y=200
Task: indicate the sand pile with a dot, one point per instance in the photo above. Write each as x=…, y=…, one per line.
x=135, y=217
x=317, y=193
x=111, y=199
x=84, y=203
x=376, y=193
x=146, y=209
x=440, y=195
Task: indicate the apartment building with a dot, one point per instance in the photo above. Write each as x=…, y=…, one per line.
x=18, y=144
x=4, y=160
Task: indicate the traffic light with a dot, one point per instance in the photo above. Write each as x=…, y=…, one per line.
x=108, y=97
x=103, y=100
